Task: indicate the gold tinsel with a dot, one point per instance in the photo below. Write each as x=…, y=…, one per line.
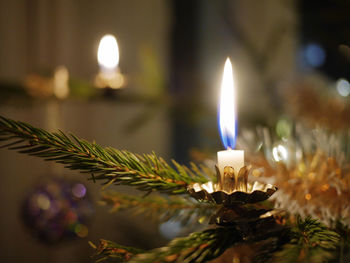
x=315, y=183
x=316, y=187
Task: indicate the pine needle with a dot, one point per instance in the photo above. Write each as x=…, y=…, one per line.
x=197, y=247
x=311, y=242
x=110, y=251
x=146, y=172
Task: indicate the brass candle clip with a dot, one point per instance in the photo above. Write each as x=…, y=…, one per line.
x=232, y=189
x=232, y=181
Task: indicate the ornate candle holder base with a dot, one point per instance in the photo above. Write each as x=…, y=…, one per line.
x=232, y=189
x=238, y=215
x=253, y=224
x=234, y=192
x=235, y=198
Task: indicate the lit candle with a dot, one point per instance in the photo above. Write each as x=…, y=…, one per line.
x=228, y=125
x=108, y=60
x=60, y=82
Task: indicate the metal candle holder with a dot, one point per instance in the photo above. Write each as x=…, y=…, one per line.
x=232, y=189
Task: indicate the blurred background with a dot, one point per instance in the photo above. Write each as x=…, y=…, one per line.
x=290, y=60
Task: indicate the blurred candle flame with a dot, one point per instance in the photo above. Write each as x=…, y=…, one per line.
x=108, y=53
x=227, y=111
x=61, y=82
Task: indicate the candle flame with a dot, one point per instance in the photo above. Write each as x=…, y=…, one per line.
x=108, y=52
x=227, y=111
x=60, y=82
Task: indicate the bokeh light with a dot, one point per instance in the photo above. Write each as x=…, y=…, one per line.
x=283, y=128
x=57, y=210
x=79, y=190
x=43, y=201
x=343, y=87
x=170, y=229
x=279, y=153
x=314, y=55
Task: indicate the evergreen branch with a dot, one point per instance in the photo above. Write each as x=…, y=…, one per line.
x=146, y=172
x=108, y=250
x=159, y=207
x=197, y=247
x=202, y=246
x=311, y=241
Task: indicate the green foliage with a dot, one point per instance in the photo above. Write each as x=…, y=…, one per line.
x=159, y=207
x=203, y=246
x=146, y=172
x=197, y=247
x=311, y=241
x=110, y=251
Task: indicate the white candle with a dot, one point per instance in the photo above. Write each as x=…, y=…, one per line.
x=108, y=60
x=233, y=158
x=227, y=124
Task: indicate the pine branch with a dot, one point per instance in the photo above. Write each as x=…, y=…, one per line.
x=197, y=247
x=110, y=251
x=202, y=246
x=146, y=172
x=159, y=207
x=310, y=242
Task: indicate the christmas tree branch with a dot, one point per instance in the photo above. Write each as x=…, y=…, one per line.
x=108, y=250
x=159, y=207
x=146, y=172
x=311, y=241
x=202, y=246
x=197, y=247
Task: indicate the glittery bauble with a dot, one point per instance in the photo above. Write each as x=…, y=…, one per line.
x=57, y=210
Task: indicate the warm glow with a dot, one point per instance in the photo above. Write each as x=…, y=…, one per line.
x=60, y=82
x=108, y=53
x=227, y=112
